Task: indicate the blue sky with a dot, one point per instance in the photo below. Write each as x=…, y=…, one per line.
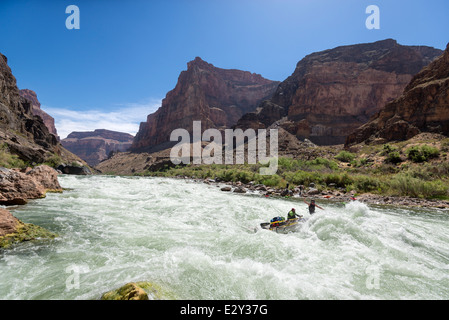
x=127, y=55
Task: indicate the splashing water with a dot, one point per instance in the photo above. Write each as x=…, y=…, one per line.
x=198, y=243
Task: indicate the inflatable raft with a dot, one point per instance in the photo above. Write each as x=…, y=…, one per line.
x=280, y=225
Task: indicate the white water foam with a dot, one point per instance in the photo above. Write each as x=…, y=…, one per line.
x=197, y=242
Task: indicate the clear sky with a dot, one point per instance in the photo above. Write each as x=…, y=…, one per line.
x=127, y=55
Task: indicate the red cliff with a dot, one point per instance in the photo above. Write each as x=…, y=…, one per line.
x=423, y=107
x=49, y=121
x=216, y=97
x=95, y=146
x=333, y=92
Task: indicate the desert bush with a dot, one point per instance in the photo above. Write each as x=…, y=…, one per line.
x=405, y=185
x=345, y=156
x=53, y=161
x=423, y=153
x=393, y=157
x=9, y=160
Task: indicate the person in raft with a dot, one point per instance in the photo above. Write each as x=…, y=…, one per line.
x=292, y=214
x=312, y=206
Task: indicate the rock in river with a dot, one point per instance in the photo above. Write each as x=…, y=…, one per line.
x=17, y=187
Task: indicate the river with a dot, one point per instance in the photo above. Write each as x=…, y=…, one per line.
x=198, y=242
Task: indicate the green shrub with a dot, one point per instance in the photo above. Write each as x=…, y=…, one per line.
x=322, y=163
x=388, y=149
x=9, y=160
x=301, y=177
x=272, y=181
x=345, y=156
x=423, y=153
x=393, y=157
x=405, y=185
x=53, y=161
x=367, y=184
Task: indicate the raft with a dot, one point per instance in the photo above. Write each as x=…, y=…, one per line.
x=283, y=226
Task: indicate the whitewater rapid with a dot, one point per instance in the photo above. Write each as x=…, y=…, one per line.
x=198, y=242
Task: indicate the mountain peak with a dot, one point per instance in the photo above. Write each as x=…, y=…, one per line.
x=198, y=62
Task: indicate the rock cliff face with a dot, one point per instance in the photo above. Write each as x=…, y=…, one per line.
x=95, y=146
x=332, y=92
x=17, y=120
x=23, y=133
x=216, y=97
x=423, y=107
x=49, y=121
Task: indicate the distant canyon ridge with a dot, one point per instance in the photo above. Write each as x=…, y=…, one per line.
x=96, y=146
x=328, y=97
x=333, y=92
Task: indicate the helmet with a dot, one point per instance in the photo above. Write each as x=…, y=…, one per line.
x=293, y=209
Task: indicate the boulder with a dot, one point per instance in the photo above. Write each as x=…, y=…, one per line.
x=313, y=191
x=142, y=290
x=74, y=169
x=130, y=291
x=47, y=177
x=17, y=188
x=8, y=223
x=12, y=230
x=240, y=190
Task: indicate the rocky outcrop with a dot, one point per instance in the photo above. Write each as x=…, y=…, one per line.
x=23, y=133
x=142, y=290
x=12, y=230
x=216, y=97
x=18, y=187
x=49, y=121
x=333, y=92
x=423, y=107
x=95, y=146
x=8, y=223
x=75, y=168
x=17, y=119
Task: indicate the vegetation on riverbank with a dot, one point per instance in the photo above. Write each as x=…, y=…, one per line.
x=25, y=232
x=9, y=160
x=419, y=170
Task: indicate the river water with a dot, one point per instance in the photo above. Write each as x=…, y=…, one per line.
x=198, y=242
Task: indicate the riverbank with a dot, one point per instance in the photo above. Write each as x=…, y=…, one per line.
x=406, y=173
x=17, y=187
x=301, y=192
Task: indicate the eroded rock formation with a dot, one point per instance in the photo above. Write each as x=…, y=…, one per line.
x=18, y=187
x=49, y=121
x=216, y=97
x=95, y=146
x=335, y=91
x=23, y=133
x=423, y=107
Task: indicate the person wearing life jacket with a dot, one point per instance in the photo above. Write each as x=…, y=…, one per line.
x=312, y=206
x=292, y=214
